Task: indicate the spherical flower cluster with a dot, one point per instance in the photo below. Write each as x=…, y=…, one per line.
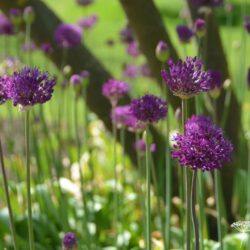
x=184, y=33
x=84, y=2
x=130, y=71
x=88, y=22
x=6, y=27
x=75, y=80
x=162, y=51
x=133, y=49
x=114, y=90
x=46, y=48
x=4, y=81
x=68, y=35
x=200, y=27
x=29, y=87
x=149, y=108
x=202, y=146
x=140, y=146
x=186, y=78
x=208, y=3
x=69, y=241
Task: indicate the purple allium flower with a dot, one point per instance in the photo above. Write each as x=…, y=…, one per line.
x=69, y=241
x=75, y=80
x=248, y=77
x=68, y=35
x=133, y=49
x=247, y=24
x=15, y=16
x=46, y=48
x=28, y=14
x=216, y=79
x=120, y=114
x=184, y=33
x=140, y=146
x=149, y=108
x=202, y=146
x=186, y=78
x=114, y=90
x=200, y=27
x=6, y=27
x=4, y=81
x=30, y=86
x=126, y=35
x=29, y=47
x=209, y=3
x=145, y=70
x=88, y=22
x=130, y=71
x=84, y=2
x=162, y=51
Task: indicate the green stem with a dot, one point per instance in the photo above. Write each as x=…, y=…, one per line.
x=28, y=43
x=84, y=203
x=28, y=181
x=148, y=201
x=5, y=183
x=218, y=206
x=187, y=184
x=194, y=220
x=114, y=128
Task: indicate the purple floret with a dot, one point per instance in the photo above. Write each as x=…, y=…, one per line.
x=69, y=241
x=202, y=146
x=6, y=27
x=186, y=78
x=30, y=86
x=114, y=90
x=4, y=82
x=184, y=33
x=149, y=108
x=68, y=35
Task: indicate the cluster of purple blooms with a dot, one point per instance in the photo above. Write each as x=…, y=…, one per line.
x=186, y=78
x=69, y=241
x=27, y=87
x=6, y=27
x=202, y=146
x=68, y=35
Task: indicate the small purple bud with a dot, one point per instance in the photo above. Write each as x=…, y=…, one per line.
x=46, y=48
x=162, y=51
x=75, y=80
x=200, y=27
x=69, y=241
x=29, y=15
x=184, y=33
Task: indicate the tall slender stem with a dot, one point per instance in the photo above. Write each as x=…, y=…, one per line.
x=28, y=180
x=194, y=220
x=187, y=184
x=148, y=201
x=218, y=206
x=114, y=128
x=5, y=183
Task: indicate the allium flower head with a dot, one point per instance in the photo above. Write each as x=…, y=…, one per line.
x=162, y=51
x=68, y=35
x=4, y=81
x=184, y=33
x=202, y=146
x=69, y=241
x=29, y=14
x=133, y=49
x=114, y=90
x=88, y=22
x=75, y=80
x=120, y=114
x=149, y=108
x=216, y=79
x=200, y=27
x=140, y=146
x=247, y=24
x=6, y=27
x=84, y=2
x=186, y=78
x=15, y=16
x=126, y=35
x=46, y=48
x=208, y=3
x=130, y=71
x=30, y=86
